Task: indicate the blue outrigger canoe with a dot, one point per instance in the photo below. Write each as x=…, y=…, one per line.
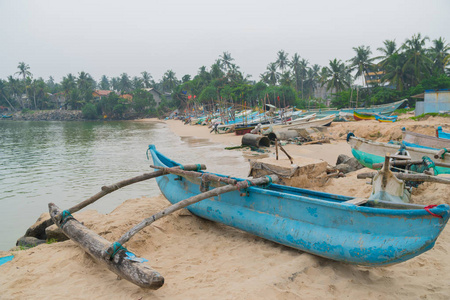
x=373, y=234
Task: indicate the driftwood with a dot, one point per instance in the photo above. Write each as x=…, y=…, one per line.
x=290, y=158
x=105, y=190
x=409, y=177
x=136, y=272
x=323, y=141
x=182, y=204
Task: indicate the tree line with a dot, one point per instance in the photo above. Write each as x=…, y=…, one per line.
x=398, y=71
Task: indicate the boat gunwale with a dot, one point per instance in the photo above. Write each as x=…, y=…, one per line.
x=417, y=211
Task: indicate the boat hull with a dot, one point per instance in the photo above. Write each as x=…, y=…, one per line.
x=370, y=152
x=315, y=222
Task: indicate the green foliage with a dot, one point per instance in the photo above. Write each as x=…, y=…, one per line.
x=27, y=111
x=89, y=112
x=427, y=115
x=142, y=101
x=51, y=241
x=402, y=111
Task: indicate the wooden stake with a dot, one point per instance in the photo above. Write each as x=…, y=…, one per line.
x=290, y=158
x=276, y=148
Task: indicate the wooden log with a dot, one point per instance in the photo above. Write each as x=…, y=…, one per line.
x=409, y=177
x=323, y=141
x=182, y=204
x=137, y=273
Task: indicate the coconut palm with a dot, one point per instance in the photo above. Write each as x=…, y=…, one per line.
x=147, y=79
x=282, y=61
x=394, y=71
x=226, y=60
x=390, y=47
x=303, y=71
x=338, y=75
x=271, y=76
x=104, y=83
x=4, y=93
x=125, y=85
x=361, y=62
x=137, y=83
x=439, y=55
x=295, y=66
x=23, y=70
x=416, y=58
x=286, y=79
x=169, y=81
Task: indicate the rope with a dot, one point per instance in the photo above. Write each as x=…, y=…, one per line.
x=116, y=248
x=199, y=167
x=65, y=216
x=443, y=154
x=181, y=167
x=427, y=208
x=350, y=134
x=269, y=183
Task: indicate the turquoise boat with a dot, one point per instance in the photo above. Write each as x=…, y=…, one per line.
x=418, y=140
x=383, y=109
x=341, y=228
x=442, y=134
x=370, y=152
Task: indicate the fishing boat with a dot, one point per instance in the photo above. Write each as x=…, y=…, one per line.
x=413, y=139
x=388, y=119
x=383, y=109
x=369, y=152
x=325, y=121
x=442, y=134
x=358, y=116
x=341, y=228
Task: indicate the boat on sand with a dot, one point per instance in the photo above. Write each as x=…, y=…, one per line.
x=341, y=228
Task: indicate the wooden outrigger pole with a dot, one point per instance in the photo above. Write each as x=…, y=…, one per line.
x=114, y=255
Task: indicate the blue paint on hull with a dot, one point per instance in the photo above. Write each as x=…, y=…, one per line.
x=315, y=222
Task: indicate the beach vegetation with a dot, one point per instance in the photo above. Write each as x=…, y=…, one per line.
x=397, y=71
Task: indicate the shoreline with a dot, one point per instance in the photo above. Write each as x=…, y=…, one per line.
x=201, y=259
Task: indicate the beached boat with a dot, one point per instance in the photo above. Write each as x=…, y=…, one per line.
x=413, y=139
x=358, y=116
x=369, y=153
x=325, y=121
x=388, y=119
x=342, y=228
x=383, y=109
x=442, y=134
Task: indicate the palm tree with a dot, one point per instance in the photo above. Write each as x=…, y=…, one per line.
x=104, y=83
x=271, y=76
x=23, y=70
x=186, y=78
x=147, y=79
x=337, y=76
x=115, y=83
x=286, y=79
x=169, y=80
x=282, y=60
x=390, y=47
x=417, y=59
x=226, y=60
x=4, y=92
x=295, y=65
x=361, y=62
x=125, y=84
x=303, y=70
x=439, y=55
x=137, y=83
x=394, y=71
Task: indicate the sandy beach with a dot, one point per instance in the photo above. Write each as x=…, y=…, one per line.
x=200, y=259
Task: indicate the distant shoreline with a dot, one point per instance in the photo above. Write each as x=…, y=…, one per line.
x=57, y=115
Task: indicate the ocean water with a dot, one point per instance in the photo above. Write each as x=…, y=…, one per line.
x=68, y=162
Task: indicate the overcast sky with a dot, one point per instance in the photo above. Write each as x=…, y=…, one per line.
x=56, y=37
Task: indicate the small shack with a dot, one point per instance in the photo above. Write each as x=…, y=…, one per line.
x=433, y=102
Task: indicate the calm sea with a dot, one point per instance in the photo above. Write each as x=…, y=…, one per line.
x=67, y=162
